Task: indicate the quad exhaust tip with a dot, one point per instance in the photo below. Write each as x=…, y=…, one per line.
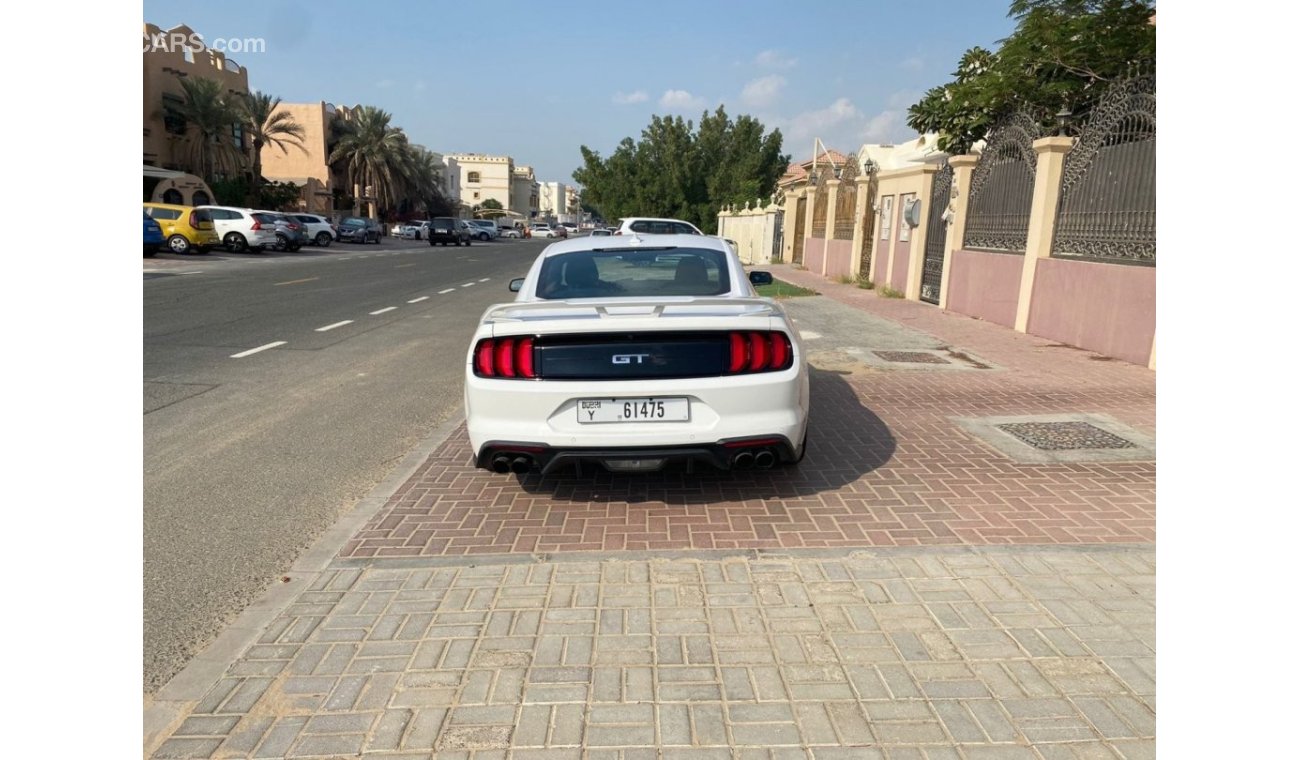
x=520, y=465
x=743, y=461
x=764, y=460
x=501, y=464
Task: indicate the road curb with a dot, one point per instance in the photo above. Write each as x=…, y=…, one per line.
x=177, y=697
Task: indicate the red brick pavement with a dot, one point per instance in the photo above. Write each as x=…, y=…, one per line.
x=886, y=467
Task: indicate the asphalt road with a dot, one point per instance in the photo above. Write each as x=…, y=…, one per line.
x=250, y=454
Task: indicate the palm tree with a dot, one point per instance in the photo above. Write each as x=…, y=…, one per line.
x=266, y=126
x=208, y=116
x=374, y=154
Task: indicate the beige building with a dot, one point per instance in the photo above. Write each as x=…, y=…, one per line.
x=309, y=168
x=169, y=58
x=483, y=177
x=524, y=195
x=553, y=199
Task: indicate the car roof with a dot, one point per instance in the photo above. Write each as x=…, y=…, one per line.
x=175, y=206
x=633, y=242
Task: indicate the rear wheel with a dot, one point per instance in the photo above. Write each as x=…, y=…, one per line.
x=323, y=239
x=281, y=242
x=235, y=242
x=468, y=242
x=178, y=244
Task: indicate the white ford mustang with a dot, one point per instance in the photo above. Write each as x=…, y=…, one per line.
x=630, y=351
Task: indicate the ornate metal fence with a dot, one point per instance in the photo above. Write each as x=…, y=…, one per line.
x=820, y=203
x=846, y=202
x=868, y=229
x=1002, y=187
x=1107, y=209
x=936, y=234
x=800, y=213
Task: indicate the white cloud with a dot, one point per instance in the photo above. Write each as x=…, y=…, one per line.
x=844, y=127
x=817, y=123
x=681, y=100
x=774, y=59
x=763, y=91
x=638, y=96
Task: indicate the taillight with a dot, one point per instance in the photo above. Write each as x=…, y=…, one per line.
x=750, y=352
x=194, y=219
x=256, y=225
x=504, y=357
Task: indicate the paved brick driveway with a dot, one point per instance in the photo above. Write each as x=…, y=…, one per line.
x=887, y=466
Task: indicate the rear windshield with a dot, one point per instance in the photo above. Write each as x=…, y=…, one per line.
x=643, y=272
x=655, y=227
x=266, y=218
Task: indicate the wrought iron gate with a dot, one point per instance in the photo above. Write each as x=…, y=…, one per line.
x=936, y=235
x=800, y=211
x=778, y=234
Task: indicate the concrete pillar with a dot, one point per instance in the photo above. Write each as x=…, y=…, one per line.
x=860, y=232
x=832, y=200
x=1042, y=217
x=963, y=168
x=916, y=254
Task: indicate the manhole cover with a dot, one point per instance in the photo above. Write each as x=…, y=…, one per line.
x=915, y=357
x=1063, y=436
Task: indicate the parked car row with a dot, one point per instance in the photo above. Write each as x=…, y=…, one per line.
x=199, y=229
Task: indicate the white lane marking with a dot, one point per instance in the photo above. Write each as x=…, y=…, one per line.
x=336, y=324
x=485, y=279
x=809, y=335
x=381, y=311
x=252, y=351
x=417, y=300
x=444, y=292
x=466, y=285
x=196, y=271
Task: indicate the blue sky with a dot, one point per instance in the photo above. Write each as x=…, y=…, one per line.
x=536, y=80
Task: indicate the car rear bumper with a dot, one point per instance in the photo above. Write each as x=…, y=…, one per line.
x=544, y=414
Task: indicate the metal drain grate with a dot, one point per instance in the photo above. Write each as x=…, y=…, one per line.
x=915, y=357
x=1063, y=436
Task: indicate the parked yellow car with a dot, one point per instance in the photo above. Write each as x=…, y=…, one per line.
x=185, y=228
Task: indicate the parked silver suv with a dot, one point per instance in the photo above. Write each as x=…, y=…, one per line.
x=239, y=230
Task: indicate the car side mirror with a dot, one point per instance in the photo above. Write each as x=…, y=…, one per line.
x=516, y=284
x=760, y=278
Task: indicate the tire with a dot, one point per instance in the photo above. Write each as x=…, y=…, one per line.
x=323, y=239
x=294, y=247
x=468, y=242
x=178, y=244
x=281, y=243
x=484, y=237
x=235, y=242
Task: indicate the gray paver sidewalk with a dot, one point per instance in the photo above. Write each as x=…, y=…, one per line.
x=896, y=653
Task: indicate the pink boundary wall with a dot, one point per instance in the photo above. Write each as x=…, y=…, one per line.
x=1107, y=308
x=839, y=258
x=814, y=253
x=985, y=285
x=898, y=272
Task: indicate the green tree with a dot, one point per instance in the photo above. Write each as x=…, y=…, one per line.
x=375, y=154
x=676, y=170
x=265, y=126
x=1060, y=56
x=491, y=203
x=209, y=117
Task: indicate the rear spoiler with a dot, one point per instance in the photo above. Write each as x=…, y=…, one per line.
x=689, y=307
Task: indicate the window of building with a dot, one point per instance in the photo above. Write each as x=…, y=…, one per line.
x=237, y=132
x=173, y=121
x=473, y=177
x=475, y=196
x=201, y=198
x=886, y=216
x=173, y=196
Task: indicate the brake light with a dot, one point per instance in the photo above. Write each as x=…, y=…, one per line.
x=750, y=352
x=505, y=357
x=194, y=219
x=256, y=225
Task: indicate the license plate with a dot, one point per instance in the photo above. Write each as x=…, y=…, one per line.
x=634, y=410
